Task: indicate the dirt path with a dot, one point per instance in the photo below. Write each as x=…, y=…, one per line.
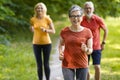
x=56, y=72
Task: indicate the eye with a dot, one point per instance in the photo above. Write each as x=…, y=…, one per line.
x=39, y=7
x=87, y=8
x=75, y=16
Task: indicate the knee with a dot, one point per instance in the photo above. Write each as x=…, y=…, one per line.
x=46, y=65
x=39, y=69
x=97, y=67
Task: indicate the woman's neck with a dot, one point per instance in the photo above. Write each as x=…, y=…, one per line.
x=76, y=28
x=39, y=17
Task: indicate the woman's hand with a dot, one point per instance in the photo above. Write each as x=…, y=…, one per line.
x=32, y=28
x=43, y=29
x=84, y=47
x=88, y=50
x=61, y=56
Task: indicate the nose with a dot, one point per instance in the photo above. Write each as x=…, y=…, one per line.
x=75, y=17
x=88, y=9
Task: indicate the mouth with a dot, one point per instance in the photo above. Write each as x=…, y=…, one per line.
x=75, y=22
x=38, y=11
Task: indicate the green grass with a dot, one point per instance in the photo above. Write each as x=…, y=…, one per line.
x=111, y=56
x=17, y=61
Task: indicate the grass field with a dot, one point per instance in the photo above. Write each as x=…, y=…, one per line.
x=17, y=61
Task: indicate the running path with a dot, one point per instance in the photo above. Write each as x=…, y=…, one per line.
x=55, y=65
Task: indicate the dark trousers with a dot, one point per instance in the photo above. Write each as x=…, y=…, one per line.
x=38, y=50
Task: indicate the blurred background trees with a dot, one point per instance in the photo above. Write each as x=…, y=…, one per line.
x=15, y=14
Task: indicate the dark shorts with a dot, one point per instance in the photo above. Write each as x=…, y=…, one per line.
x=96, y=57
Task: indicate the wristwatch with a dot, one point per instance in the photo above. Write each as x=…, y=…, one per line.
x=103, y=42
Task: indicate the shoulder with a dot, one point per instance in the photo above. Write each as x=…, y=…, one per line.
x=65, y=29
x=32, y=18
x=86, y=29
x=84, y=17
x=47, y=17
x=96, y=17
x=64, y=32
x=88, y=32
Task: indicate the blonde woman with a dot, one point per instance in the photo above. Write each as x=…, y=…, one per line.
x=41, y=26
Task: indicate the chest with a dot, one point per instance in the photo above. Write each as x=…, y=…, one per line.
x=73, y=38
x=40, y=23
x=91, y=24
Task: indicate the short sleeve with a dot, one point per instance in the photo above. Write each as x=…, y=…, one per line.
x=100, y=21
x=89, y=34
x=31, y=21
x=49, y=20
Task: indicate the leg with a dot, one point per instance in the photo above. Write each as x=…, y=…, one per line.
x=46, y=56
x=37, y=53
x=96, y=62
x=97, y=72
x=68, y=74
x=81, y=73
x=88, y=75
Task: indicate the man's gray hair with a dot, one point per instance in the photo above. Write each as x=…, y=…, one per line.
x=75, y=8
x=89, y=3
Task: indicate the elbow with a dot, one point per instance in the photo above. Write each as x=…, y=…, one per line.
x=53, y=32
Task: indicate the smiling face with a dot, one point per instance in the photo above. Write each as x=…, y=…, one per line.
x=75, y=18
x=40, y=9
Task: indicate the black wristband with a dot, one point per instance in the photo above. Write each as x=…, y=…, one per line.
x=46, y=30
x=103, y=42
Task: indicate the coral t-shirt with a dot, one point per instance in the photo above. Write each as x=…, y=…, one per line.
x=74, y=57
x=39, y=36
x=94, y=25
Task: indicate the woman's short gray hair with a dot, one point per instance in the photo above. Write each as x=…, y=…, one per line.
x=75, y=8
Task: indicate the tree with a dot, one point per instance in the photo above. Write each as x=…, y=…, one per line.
x=15, y=14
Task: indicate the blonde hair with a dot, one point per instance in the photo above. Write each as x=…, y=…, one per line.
x=43, y=5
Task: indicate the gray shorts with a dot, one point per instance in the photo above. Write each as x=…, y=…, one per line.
x=71, y=74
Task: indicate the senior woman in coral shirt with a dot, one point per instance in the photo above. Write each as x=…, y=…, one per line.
x=75, y=44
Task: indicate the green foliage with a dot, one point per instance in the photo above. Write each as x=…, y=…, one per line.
x=4, y=40
x=106, y=8
x=15, y=14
